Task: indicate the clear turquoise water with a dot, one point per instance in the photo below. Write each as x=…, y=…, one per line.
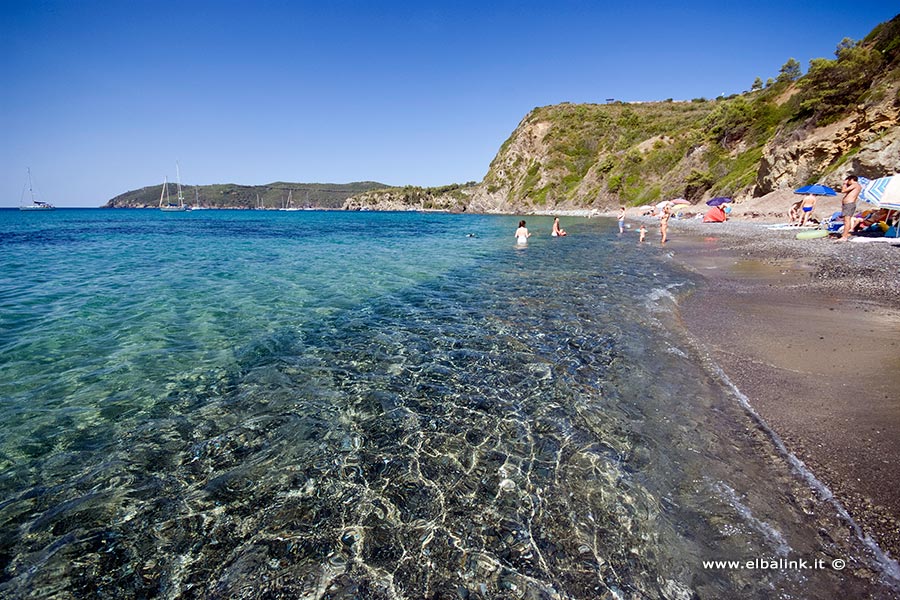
x=377, y=405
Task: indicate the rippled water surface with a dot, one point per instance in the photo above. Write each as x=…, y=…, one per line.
x=362, y=405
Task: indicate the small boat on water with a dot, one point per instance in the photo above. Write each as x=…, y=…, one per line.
x=35, y=204
x=290, y=202
x=170, y=206
x=197, y=205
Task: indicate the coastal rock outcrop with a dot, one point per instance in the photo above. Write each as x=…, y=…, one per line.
x=865, y=142
x=451, y=198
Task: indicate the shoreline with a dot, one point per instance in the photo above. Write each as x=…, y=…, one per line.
x=809, y=332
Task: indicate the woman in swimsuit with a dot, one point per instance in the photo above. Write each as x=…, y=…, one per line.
x=522, y=234
x=664, y=224
x=809, y=203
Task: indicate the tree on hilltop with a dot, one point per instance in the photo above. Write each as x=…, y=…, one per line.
x=845, y=44
x=757, y=85
x=790, y=71
x=831, y=86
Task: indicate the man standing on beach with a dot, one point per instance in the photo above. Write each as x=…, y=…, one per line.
x=851, y=191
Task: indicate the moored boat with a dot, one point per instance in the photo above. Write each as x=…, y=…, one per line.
x=169, y=206
x=35, y=203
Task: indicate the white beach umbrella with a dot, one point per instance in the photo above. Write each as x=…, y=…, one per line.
x=883, y=192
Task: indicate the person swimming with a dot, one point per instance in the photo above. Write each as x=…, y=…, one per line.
x=522, y=234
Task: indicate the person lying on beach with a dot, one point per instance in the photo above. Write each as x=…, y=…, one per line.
x=557, y=231
x=866, y=219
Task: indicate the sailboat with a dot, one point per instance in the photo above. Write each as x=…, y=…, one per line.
x=35, y=204
x=197, y=200
x=290, y=202
x=170, y=206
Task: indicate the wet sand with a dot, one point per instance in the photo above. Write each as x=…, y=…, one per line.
x=820, y=363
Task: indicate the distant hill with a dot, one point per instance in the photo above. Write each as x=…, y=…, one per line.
x=229, y=195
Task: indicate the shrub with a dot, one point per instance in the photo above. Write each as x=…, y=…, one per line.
x=831, y=86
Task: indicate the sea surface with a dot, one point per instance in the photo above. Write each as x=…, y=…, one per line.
x=266, y=404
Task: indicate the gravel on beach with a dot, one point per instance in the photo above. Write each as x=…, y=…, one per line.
x=863, y=269
x=812, y=342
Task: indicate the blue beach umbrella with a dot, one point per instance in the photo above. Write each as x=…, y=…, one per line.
x=816, y=190
x=717, y=201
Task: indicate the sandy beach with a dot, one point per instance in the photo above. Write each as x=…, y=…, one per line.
x=809, y=331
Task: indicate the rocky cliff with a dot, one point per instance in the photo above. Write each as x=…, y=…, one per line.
x=451, y=198
x=864, y=142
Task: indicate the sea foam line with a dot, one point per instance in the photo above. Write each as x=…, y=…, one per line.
x=889, y=567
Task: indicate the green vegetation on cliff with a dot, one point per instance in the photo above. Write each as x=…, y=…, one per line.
x=272, y=195
x=453, y=197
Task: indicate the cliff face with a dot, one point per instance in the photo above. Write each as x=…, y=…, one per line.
x=589, y=155
x=558, y=159
x=865, y=142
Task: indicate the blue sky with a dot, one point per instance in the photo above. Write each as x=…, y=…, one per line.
x=103, y=97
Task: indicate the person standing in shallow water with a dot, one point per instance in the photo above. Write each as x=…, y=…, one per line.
x=664, y=224
x=522, y=234
x=643, y=232
x=621, y=219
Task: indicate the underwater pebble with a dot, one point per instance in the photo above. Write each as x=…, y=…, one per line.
x=507, y=485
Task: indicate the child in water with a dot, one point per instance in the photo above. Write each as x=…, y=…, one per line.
x=643, y=232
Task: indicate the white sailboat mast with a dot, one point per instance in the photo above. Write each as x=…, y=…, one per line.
x=164, y=193
x=30, y=187
x=178, y=177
